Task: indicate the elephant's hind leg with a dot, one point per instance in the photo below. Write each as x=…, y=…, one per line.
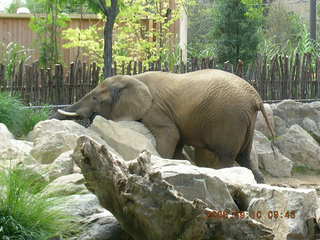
x=244, y=160
x=206, y=158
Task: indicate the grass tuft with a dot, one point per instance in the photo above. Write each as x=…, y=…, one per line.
x=16, y=117
x=25, y=213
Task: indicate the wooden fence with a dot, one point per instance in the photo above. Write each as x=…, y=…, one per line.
x=37, y=86
x=282, y=77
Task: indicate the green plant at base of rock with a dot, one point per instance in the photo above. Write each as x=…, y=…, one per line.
x=25, y=213
x=305, y=170
x=16, y=117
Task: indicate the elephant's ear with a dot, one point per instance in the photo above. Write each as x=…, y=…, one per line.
x=130, y=100
x=115, y=94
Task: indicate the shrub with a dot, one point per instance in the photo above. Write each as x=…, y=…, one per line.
x=16, y=117
x=25, y=213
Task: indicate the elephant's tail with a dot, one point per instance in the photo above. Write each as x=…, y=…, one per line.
x=263, y=111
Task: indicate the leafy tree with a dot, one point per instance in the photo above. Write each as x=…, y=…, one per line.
x=283, y=31
x=89, y=40
x=48, y=24
x=135, y=39
x=143, y=30
x=110, y=10
x=200, y=19
x=236, y=33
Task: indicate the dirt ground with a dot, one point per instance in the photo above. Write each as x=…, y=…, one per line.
x=298, y=180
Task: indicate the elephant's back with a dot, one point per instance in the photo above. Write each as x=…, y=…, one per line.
x=217, y=101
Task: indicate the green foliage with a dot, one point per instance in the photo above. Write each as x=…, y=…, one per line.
x=134, y=41
x=16, y=117
x=255, y=9
x=89, y=40
x=66, y=6
x=48, y=28
x=305, y=170
x=300, y=44
x=25, y=213
x=11, y=55
x=236, y=34
x=13, y=8
x=200, y=40
x=282, y=28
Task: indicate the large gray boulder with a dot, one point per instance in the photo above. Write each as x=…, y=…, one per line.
x=97, y=223
x=123, y=136
x=280, y=126
x=204, y=183
x=53, y=137
x=61, y=166
x=13, y=152
x=295, y=113
x=312, y=127
x=300, y=147
x=5, y=134
x=285, y=210
x=271, y=160
x=66, y=185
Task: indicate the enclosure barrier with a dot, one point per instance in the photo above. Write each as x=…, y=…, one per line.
x=277, y=78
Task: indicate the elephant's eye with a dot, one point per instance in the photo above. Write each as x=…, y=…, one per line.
x=94, y=98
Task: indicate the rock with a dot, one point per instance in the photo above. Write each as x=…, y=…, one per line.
x=130, y=188
x=272, y=161
x=261, y=124
x=294, y=207
x=318, y=216
x=66, y=185
x=280, y=126
x=170, y=168
x=312, y=128
x=194, y=182
x=125, y=141
x=98, y=223
x=295, y=113
x=300, y=147
x=315, y=105
x=140, y=128
x=61, y=166
x=13, y=152
x=239, y=229
x=53, y=137
x=5, y=134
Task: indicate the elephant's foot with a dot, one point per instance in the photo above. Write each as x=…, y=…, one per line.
x=258, y=176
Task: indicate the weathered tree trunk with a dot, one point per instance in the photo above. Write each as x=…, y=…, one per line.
x=147, y=206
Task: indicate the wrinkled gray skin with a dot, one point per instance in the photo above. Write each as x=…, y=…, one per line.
x=208, y=109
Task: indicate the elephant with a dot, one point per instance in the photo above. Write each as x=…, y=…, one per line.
x=210, y=109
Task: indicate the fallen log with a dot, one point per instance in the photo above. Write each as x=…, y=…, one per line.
x=147, y=206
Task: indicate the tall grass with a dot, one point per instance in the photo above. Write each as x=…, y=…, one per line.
x=16, y=117
x=25, y=213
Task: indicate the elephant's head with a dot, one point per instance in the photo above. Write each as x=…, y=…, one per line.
x=117, y=98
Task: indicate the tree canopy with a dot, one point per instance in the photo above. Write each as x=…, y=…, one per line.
x=235, y=32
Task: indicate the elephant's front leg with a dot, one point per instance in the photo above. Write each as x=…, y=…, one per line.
x=164, y=130
x=166, y=139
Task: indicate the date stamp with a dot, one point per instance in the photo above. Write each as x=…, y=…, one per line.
x=272, y=214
